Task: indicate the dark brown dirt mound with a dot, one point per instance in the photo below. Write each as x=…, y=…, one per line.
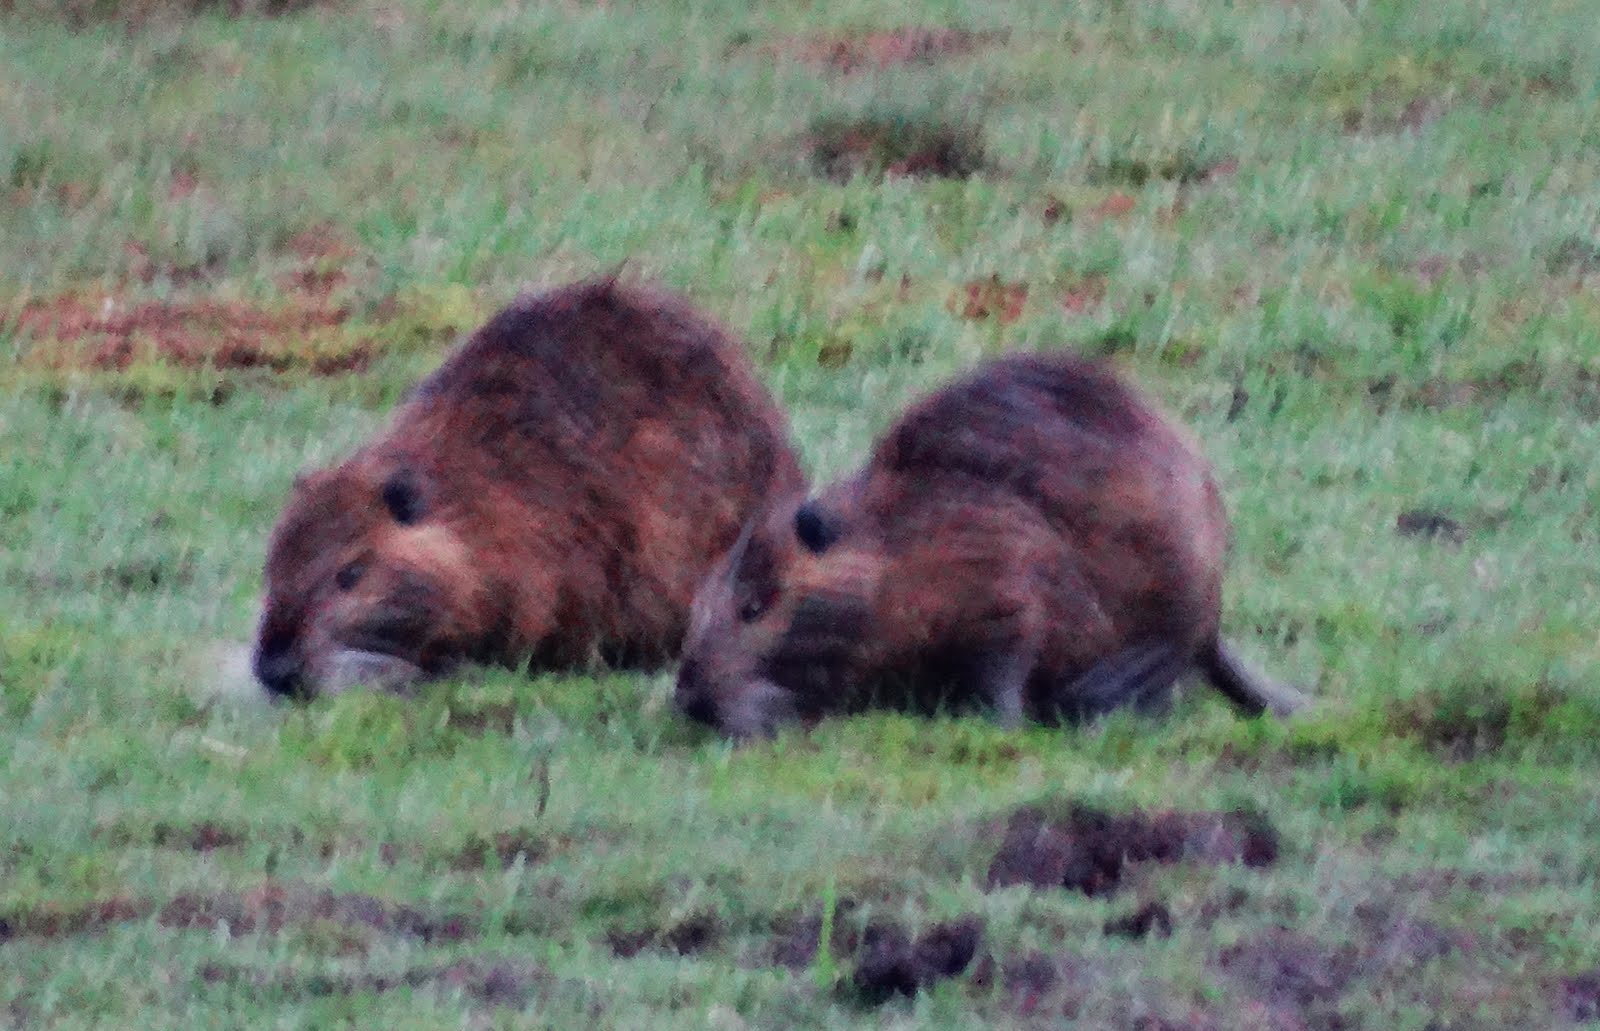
x=87, y=333
x=504, y=848
x=1150, y=918
x=1580, y=997
x=693, y=934
x=888, y=959
x=876, y=147
x=891, y=963
x=850, y=52
x=1036, y=984
x=1422, y=522
x=1088, y=850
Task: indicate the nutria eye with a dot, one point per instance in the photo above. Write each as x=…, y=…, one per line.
x=349, y=576
x=754, y=606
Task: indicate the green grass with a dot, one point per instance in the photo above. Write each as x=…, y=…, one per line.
x=1361, y=257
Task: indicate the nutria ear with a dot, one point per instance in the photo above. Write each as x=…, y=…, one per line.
x=402, y=496
x=814, y=530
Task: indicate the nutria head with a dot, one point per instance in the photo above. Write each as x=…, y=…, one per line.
x=366, y=583
x=776, y=627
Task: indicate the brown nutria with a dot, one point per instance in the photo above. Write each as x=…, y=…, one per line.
x=553, y=493
x=1037, y=536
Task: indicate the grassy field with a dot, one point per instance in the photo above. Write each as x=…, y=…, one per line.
x=1354, y=243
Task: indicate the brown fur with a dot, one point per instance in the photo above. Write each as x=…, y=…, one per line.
x=1037, y=535
x=554, y=491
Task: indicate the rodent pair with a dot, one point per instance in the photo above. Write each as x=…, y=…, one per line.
x=596, y=474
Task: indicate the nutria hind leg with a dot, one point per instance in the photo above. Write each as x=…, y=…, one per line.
x=1000, y=677
x=1246, y=688
x=1140, y=677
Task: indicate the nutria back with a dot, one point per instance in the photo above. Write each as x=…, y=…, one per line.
x=1037, y=535
x=553, y=493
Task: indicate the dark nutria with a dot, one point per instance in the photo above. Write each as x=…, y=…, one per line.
x=1036, y=535
x=554, y=492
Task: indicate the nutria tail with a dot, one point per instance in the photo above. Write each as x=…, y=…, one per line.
x=1250, y=690
x=1138, y=677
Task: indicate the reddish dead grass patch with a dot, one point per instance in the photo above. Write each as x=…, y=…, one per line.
x=991, y=298
x=322, y=262
x=79, y=332
x=848, y=52
x=1084, y=294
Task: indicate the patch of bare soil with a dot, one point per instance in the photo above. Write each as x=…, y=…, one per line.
x=878, y=147
x=687, y=937
x=323, y=257
x=508, y=984
x=1294, y=973
x=1089, y=851
x=1580, y=997
x=1150, y=918
x=503, y=848
x=1423, y=522
x=58, y=922
x=201, y=836
x=844, y=53
x=1036, y=984
x=273, y=907
x=1184, y=169
x=888, y=959
x=83, y=332
x=890, y=962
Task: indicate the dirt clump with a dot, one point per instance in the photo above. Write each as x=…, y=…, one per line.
x=1150, y=918
x=1427, y=523
x=1287, y=968
x=890, y=962
x=687, y=937
x=503, y=847
x=1580, y=997
x=1089, y=851
x=887, y=958
x=911, y=146
x=204, y=836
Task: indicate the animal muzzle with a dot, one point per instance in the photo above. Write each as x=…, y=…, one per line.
x=754, y=709
x=279, y=670
x=693, y=696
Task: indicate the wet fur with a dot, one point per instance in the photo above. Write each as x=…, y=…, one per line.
x=552, y=493
x=1036, y=536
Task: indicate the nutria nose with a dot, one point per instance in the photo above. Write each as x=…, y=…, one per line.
x=277, y=670
x=691, y=696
